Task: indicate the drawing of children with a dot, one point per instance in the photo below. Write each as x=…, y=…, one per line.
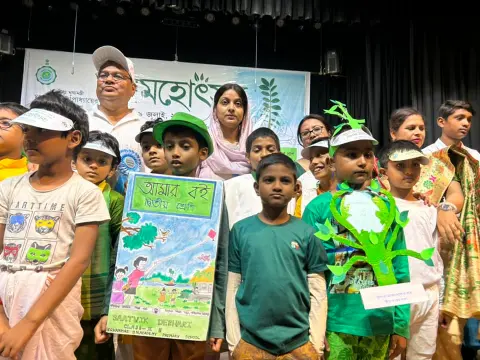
x=173, y=297
x=134, y=278
x=163, y=296
x=117, y=286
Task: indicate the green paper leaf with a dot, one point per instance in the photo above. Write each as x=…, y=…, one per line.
x=373, y=238
x=338, y=279
x=263, y=87
x=427, y=253
x=383, y=268
x=272, y=81
x=429, y=262
x=344, y=186
x=336, y=270
x=329, y=225
x=375, y=186
x=196, y=77
x=404, y=216
x=274, y=93
x=323, y=232
x=265, y=82
x=276, y=100
x=276, y=107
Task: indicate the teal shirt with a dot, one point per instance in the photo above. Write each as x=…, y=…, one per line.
x=273, y=300
x=346, y=313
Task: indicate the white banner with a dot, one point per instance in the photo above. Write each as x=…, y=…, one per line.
x=277, y=99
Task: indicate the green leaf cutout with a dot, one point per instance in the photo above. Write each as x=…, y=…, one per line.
x=336, y=270
x=323, y=232
x=427, y=253
x=373, y=238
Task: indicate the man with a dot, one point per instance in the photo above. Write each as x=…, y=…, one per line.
x=115, y=87
x=455, y=119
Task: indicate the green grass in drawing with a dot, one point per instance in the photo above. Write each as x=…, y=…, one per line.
x=271, y=106
x=151, y=296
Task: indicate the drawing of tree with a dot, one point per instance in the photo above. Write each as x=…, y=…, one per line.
x=271, y=102
x=139, y=237
x=171, y=272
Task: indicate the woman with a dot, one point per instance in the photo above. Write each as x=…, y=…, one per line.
x=230, y=126
x=312, y=127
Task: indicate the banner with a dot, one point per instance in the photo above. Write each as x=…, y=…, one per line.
x=277, y=99
x=165, y=267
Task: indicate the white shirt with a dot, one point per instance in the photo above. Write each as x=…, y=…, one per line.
x=309, y=189
x=420, y=234
x=124, y=131
x=241, y=199
x=439, y=145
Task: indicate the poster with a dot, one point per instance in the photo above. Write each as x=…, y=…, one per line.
x=165, y=267
x=277, y=99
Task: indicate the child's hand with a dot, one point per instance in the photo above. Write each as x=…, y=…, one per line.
x=100, y=331
x=14, y=340
x=215, y=344
x=397, y=345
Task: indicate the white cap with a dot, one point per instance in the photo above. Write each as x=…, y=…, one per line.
x=139, y=136
x=401, y=155
x=317, y=147
x=353, y=135
x=110, y=53
x=44, y=119
x=99, y=146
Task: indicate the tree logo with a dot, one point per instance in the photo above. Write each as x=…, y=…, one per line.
x=46, y=75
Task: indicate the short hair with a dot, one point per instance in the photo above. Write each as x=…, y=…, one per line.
x=56, y=102
x=274, y=159
x=398, y=117
x=138, y=259
x=325, y=123
x=262, y=132
x=183, y=130
x=150, y=124
x=13, y=107
x=398, y=145
x=450, y=106
x=109, y=141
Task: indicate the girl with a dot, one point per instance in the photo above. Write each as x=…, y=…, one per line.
x=117, y=287
x=312, y=127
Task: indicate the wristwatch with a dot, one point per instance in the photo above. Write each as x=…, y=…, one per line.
x=446, y=206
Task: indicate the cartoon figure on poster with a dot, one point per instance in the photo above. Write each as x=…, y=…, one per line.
x=365, y=231
x=166, y=258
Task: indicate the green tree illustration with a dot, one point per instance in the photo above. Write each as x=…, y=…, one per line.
x=132, y=218
x=139, y=237
x=271, y=101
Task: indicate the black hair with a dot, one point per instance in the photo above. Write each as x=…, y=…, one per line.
x=450, y=106
x=14, y=107
x=238, y=89
x=56, y=102
x=138, y=259
x=122, y=269
x=325, y=123
x=109, y=141
x=184, y=130
x=261, y=132
x=398, y=145
x=117, y=65
x=150, y=124
x=273, y=159
x=398, y=117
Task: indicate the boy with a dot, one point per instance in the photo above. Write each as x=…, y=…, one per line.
x=152, y=152
x=455, y=119
x=12, y=161
x=186, y=143
x=51, y=217
x=272, y=308
x=97, y=162
x=353, y=331
x=240, y=198
x=401, y=163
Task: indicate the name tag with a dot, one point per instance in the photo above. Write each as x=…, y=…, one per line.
x=392, y=295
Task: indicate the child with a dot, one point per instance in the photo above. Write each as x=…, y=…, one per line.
x=240, y=198
x=317, y=155
x=152, y=152
x=52, y=216
x=353, y=331
x=401, y=165
x=271, y=308
x=97, y=162
x=186, y=144
x=12, y=161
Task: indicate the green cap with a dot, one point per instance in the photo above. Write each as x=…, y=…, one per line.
x=187, y=120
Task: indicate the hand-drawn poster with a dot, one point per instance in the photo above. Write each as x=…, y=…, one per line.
x=165, y=265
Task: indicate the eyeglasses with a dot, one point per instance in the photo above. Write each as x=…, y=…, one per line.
x=117, y=77
x=6, y=124
x=317, y=130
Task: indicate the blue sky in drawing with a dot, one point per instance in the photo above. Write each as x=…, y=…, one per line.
x=185, y=232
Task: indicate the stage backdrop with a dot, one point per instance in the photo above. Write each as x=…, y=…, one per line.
x=278, y=99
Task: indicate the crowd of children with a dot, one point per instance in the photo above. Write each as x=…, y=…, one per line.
x=291, y=261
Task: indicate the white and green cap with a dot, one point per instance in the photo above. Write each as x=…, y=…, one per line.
x=408, y=154
x=44, y=119
x=99, y=146
x=319, y=147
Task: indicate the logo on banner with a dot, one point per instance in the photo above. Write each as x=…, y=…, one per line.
x=46, y=75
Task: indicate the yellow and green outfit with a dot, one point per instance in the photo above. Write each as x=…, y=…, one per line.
x=95, y=280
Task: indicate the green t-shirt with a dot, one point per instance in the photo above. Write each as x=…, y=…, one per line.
x=346, y=313
x=273, y=300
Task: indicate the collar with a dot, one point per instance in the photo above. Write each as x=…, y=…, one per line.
x=132, y=116
x=102, y=185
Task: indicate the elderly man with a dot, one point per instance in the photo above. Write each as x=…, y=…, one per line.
x=115, y=87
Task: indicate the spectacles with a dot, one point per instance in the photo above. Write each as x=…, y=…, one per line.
x=317, y=130
x=6, y=124
x=117, y=77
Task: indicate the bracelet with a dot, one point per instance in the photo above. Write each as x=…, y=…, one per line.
x=447, y=206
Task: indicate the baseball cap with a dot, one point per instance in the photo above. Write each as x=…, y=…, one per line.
x=44, y=119
x=110, y=53
x=187, y=120
x=138, y=137
x=319, y=146
x=401, y=155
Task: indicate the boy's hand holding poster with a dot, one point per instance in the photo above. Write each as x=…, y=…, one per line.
x=165, y=266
